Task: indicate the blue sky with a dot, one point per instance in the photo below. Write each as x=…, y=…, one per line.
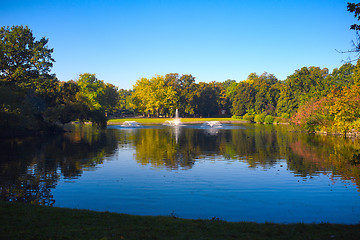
x=214, y=40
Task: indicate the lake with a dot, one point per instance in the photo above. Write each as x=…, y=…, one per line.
x=245, y=172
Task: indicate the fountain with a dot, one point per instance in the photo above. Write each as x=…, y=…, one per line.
x=213, y=124
x=130, y=124
x=176, y=121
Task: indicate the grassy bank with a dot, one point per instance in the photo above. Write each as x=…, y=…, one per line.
x=163, y=120
x=24, y=221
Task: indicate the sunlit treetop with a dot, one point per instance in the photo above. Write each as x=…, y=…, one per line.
x=21, y=56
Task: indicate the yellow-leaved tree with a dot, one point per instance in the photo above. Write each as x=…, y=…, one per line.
x=344, y=107
x=153, y=96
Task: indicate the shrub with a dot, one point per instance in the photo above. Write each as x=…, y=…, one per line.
x=285, y=115
x=356, y=125
x=98, y=118
x=269, y=119
x=259, y=118
x=312, y=116
x=248, y=117
x=236, y=117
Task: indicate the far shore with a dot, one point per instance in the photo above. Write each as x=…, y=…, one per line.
x=183, y=120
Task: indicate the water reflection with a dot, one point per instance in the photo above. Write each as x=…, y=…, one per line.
x=180, y=147
x=30, y=167
x=312, y=155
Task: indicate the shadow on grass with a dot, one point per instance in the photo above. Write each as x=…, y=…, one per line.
x=25, y=221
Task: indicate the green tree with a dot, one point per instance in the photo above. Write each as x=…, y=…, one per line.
x=356, y=76
x=223, y=100
x=125, y=100
x=67, y=92
x=340, y=77
x=272, y=97
x=207, y=99
x=110, y=98
x=91, y=90
x=244, y=98
x=173, y=80
x=24, y=72
x=22, y=58
x=257, y=94
x=184, y=87
x=10, y=108
x=187, y=95
x=308, y=83
x=230, y=86
x=287, y=102
x=228, y=83
x=266, y=92
x=164, y=98
x=260, y=98
x=47, y=88
x=99, y=97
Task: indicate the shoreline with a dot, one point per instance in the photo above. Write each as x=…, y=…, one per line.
x=163, y=120
x=29, y=221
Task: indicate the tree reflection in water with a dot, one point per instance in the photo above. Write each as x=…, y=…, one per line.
x=312, y=155
x=31, y=166
x=306, y=155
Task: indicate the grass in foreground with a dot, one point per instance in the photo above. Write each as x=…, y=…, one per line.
x=163, y=120
x=25, y=221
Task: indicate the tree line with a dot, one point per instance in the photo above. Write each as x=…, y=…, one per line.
x=31, y=98
x=311, y=97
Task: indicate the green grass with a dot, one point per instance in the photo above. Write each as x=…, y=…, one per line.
x=25, y=221
x=163, y=120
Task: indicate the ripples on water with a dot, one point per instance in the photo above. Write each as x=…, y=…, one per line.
x=236, y=172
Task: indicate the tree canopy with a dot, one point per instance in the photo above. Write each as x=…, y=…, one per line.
x=31, y=98
x=22, y=58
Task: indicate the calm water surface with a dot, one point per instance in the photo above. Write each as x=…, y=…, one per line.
x=235, y=173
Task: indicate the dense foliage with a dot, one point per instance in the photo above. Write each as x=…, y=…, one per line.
x=33, y=99
x=311, y=96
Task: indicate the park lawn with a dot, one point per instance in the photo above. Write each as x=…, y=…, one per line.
x=163, y=120
x=27, y=221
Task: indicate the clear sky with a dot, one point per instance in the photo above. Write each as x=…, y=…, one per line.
x=214, y=40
